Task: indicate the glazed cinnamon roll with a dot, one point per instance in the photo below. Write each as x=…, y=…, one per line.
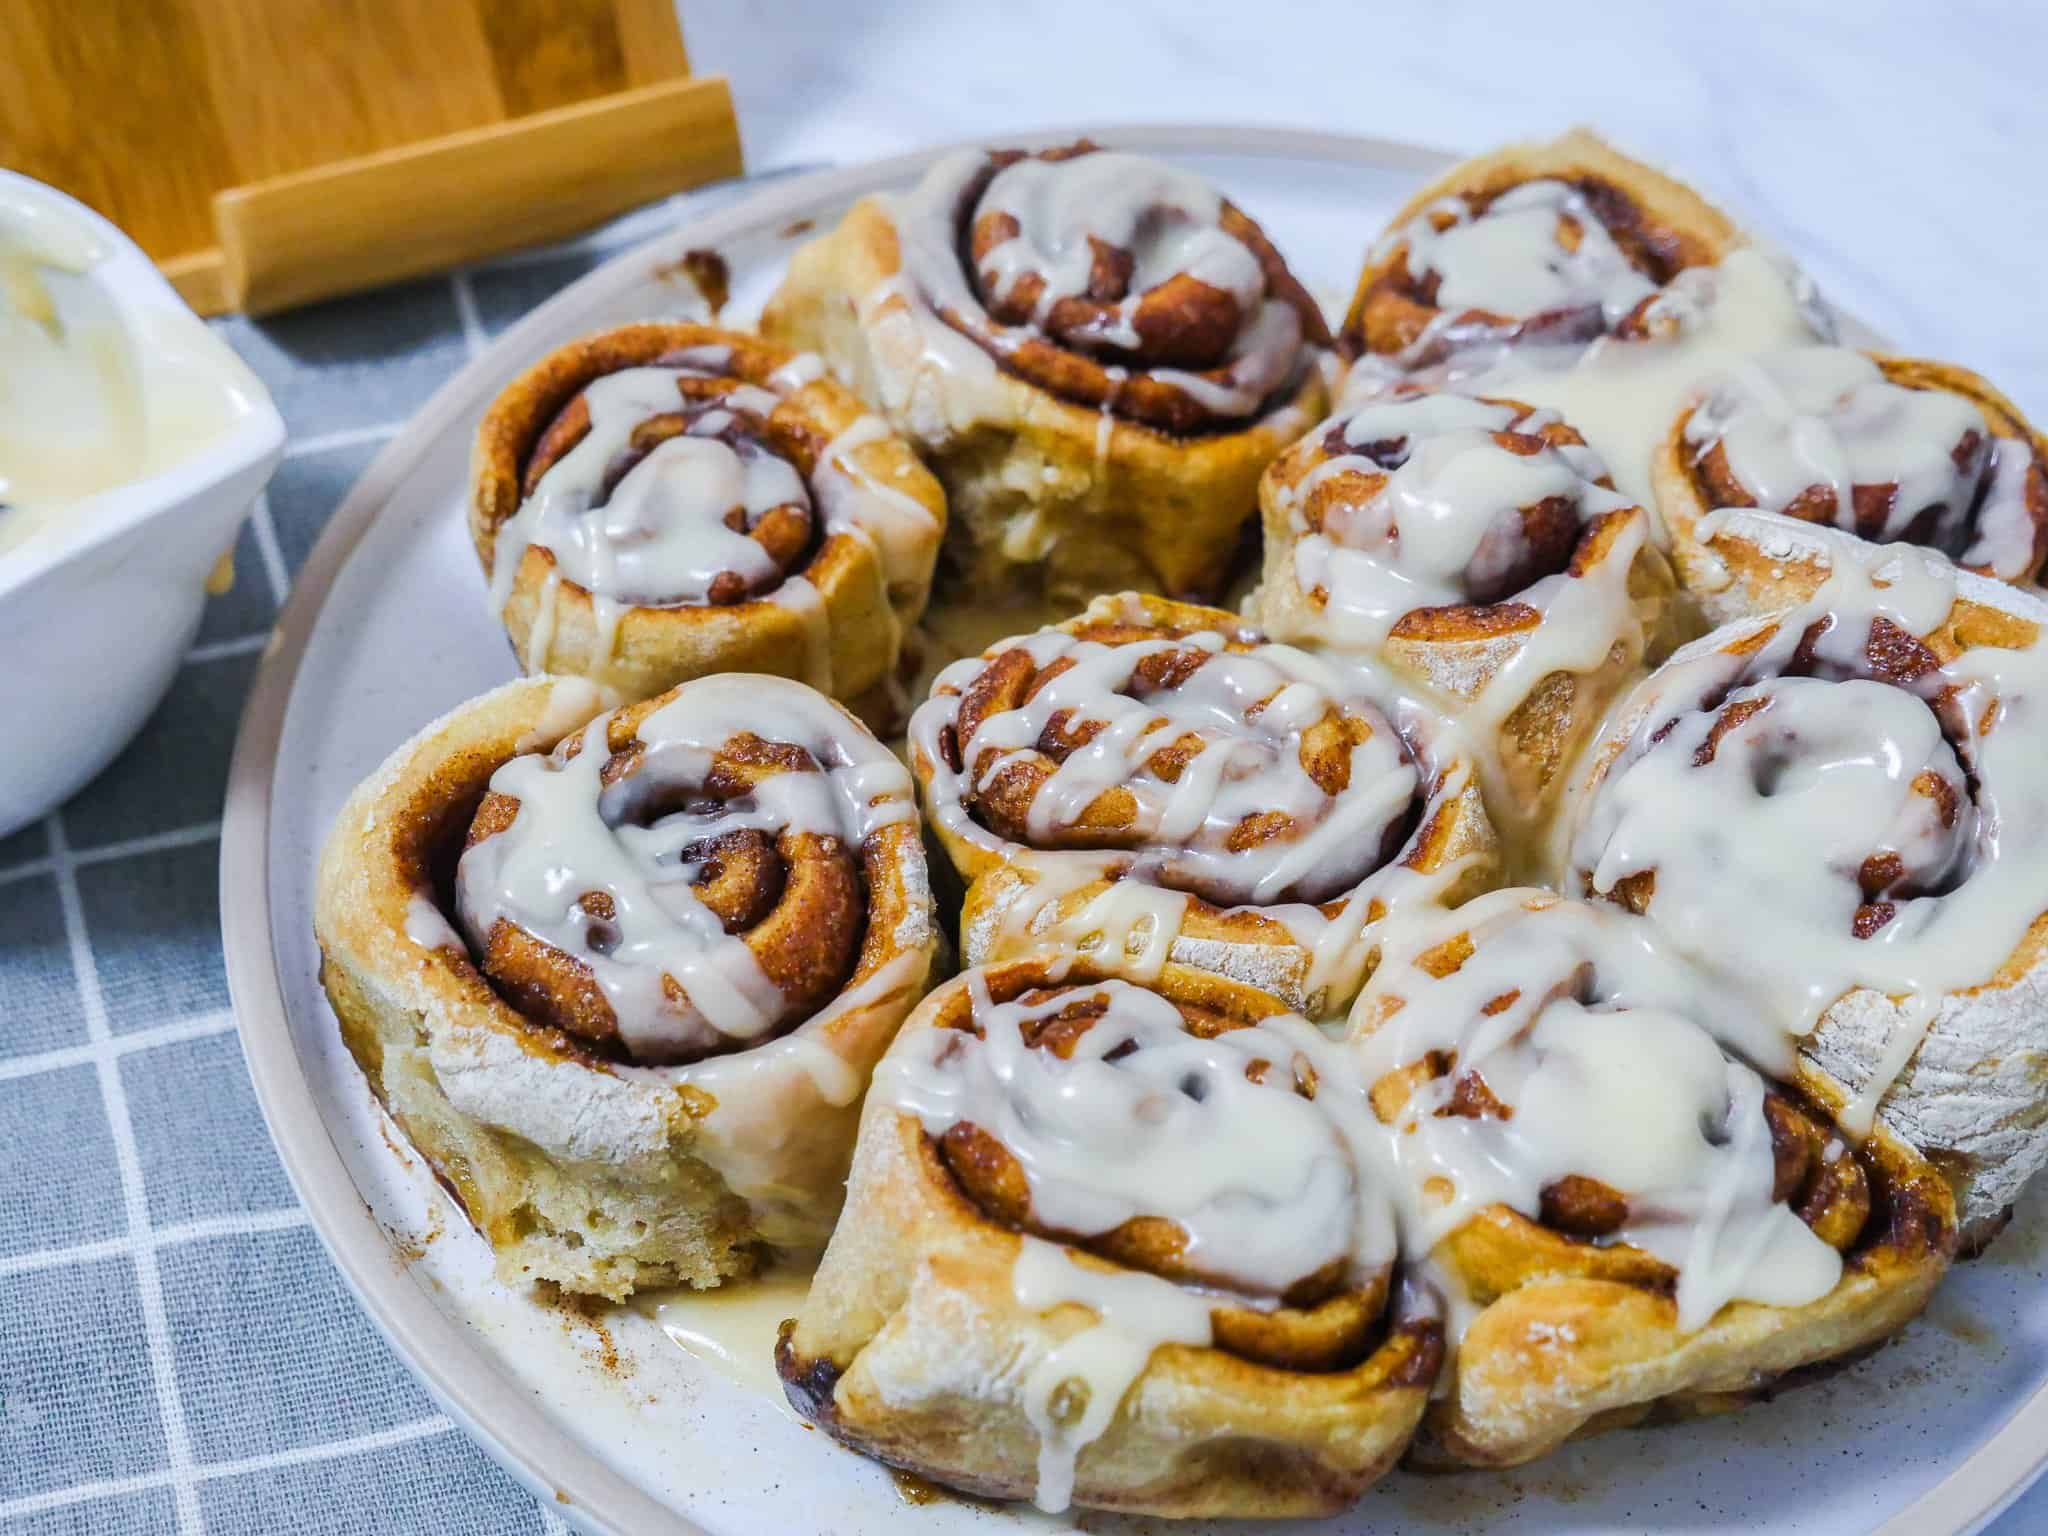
x=1534, y=244
x=1623, y=1218
x=661, y=502
x=1096, y=352
x=1119, y=1246
x=1478, y=547
x=1891, y=449
x=1153, y=781
x=620, y=976
x=1834, y=810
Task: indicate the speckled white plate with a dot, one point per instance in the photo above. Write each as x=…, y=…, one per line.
x=387, y=629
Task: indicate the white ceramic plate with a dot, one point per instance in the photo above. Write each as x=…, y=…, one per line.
x=387, y=630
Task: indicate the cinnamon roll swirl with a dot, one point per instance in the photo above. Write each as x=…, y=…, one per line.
x=1153, y=781
x=1623, y=1218
x=1534, y=244
x=1096, y=352
x=1891, y=449
x=1478, y=547
x=661, y=502
x=620, y=976
x=1833, y=810
x=1115, y=1245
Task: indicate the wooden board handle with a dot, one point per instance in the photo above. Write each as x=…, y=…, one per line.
x=441, y=202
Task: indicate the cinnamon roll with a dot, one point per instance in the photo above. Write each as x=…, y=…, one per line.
x=1534, y=244
x=1623, y=1218
x=1096, y=352
x=661, y=502
x=1115, y=1245
x=1152, y=781
x=1891, y=449
x=620, y=976
x=1835, y=810
x=1477, y=546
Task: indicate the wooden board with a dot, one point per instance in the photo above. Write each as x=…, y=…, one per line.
x=194, y=123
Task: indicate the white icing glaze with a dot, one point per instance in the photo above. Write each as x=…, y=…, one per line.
x=662, y=535
x=1135, y=1312
x=774, y=1133
x=95, y=391
x=1604, y=1048
x=1815, y=422
x=1165, y=217
x=571, y=701
x=427, y=926
x=1147, y=1119
x=1511, y=260
x=1445, y=528
x=804, y=368
x=1621, y=393
x=680, y=518
x=1601, y=1042
x=677, y=983
x=855, y=502
x=1247, y=711
x=1757, y=850
x=731, y=1329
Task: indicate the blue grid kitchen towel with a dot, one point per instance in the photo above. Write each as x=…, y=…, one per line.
x=176, y=1352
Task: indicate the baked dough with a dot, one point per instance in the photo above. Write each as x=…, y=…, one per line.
x=579, y=1166
x=1070, y=470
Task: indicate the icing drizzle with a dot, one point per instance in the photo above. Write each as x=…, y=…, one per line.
x=1108, y=278
x=1829, y=804
x=718, y=510
x=605, y=870
x=1822, y=434
x=1431, y=499
x=1209, y=780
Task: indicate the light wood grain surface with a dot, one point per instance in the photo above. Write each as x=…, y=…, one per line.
x=436, y=131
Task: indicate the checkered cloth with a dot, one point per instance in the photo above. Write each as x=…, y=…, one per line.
x=176, y=1352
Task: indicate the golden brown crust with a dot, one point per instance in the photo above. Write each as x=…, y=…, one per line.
x=851, y=656
x=913, y=1348
x=1731, y=585
x=1049, y=496
x=1661, y=225
x=578, y=1169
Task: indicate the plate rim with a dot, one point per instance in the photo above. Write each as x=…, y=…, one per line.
x=438, y=1350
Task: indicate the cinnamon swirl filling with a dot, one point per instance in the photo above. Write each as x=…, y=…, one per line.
x=1421, y=502
x=655, y=500
x=694, y=489
x=1171, y=1138
x=1110, y=280
x=1198, y=756
x=1560, y=260
x=1876, y=447
x=685, y=877
x=1833, y=799
x=1560, y=1103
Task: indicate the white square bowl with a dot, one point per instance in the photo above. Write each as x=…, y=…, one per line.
x=96, y=614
